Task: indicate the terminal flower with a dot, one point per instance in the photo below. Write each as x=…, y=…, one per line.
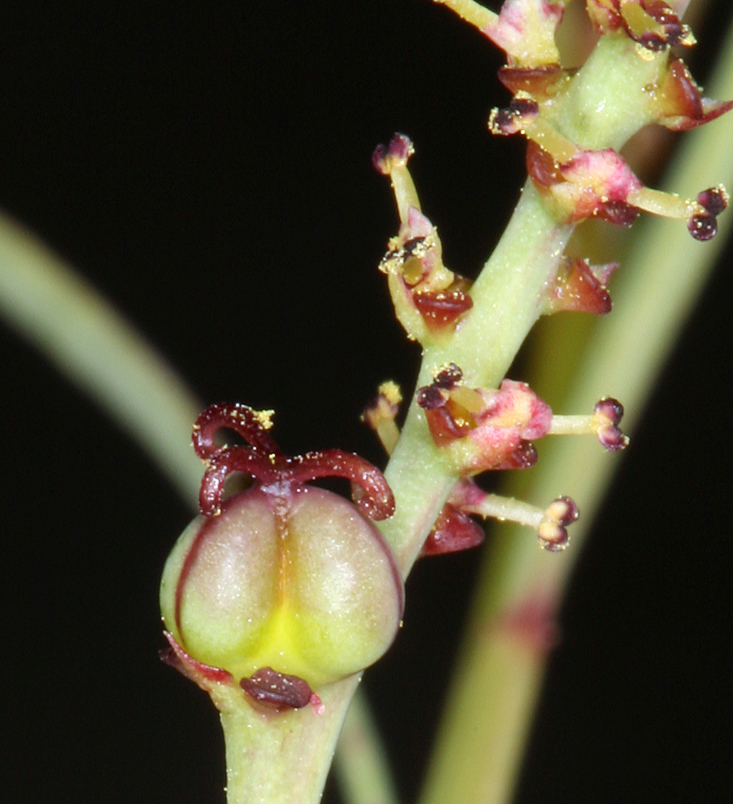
x=284, y=587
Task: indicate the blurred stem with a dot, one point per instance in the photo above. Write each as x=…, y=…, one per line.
x=361, y=764
x=97, y=350
x=498, y=679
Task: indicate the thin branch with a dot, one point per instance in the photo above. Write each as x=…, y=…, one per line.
x=361, y=764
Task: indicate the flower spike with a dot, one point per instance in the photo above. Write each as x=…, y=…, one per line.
x=477, y=429
x=577, y=183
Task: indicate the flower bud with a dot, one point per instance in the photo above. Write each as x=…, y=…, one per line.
x=288, y=577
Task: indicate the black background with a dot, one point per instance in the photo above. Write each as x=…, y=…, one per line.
x=208, y=167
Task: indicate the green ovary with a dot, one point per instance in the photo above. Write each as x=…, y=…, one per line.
x=311, y=593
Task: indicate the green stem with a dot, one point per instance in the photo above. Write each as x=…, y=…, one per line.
x=280, y=758
x=361, y=764
x=508, y=294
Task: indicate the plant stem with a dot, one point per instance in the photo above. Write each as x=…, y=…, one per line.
x=507, y=295
x=361, y=763
x=280, y=758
